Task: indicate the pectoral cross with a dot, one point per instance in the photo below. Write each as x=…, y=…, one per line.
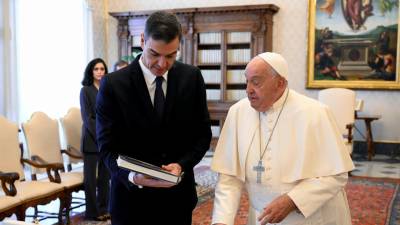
x=259, y=169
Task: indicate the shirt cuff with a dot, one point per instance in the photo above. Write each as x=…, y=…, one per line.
x=130, y=178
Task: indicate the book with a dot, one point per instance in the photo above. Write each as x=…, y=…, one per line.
x=147, y=169
x=359, y=104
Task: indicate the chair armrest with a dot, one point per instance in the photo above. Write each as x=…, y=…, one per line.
x=9, y=178
x=72, y=152
x=349, y=128
x=38, y=162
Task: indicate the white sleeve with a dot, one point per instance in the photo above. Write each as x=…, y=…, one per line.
x=310, y=194
x=227, y=199
x=130, y=178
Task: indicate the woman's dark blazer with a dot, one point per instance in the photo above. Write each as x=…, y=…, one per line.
x=88, y=110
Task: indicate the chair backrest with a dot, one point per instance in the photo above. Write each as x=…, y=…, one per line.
x=9, y=148
x=72, y=127
x=342, y=102
x=43, y=138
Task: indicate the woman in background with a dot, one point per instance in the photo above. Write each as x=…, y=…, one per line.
x=96, y=176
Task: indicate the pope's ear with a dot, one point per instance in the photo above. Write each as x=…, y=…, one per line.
x=281, y=82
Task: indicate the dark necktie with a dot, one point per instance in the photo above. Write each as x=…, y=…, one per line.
x=159, y=97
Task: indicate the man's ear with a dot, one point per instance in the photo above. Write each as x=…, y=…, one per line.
x=142, y=40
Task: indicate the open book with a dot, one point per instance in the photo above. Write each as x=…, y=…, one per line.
x=147, y=169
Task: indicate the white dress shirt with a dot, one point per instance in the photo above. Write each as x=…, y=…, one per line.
x=150, y=79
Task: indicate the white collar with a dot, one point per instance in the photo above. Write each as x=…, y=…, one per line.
x=148, y=75
x=278, y=104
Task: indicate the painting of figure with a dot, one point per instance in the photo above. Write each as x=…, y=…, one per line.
x=356, y=12
x=353, y=43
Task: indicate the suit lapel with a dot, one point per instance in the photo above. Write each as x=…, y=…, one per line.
x=141, y=87
x=172, y=87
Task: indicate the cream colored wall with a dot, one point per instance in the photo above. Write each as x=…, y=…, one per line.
x=3, y=37
x=99, y=28
x=8, y=78
x=290, y=40
x=112, y=39
x=104, y=32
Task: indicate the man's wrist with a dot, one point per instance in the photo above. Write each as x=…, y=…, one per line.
x=131, y=178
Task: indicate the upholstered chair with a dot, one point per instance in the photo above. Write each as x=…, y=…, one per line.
x=18, y=193
x=71, y=125
x=342, y=104
x=72, y=128
x=43, y=143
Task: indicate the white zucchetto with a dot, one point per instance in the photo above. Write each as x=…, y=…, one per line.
x=277, y=62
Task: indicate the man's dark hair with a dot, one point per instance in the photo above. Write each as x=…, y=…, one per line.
x=120, y=63
x=162, y=26
x=88, y=74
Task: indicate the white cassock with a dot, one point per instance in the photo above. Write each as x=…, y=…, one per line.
x=306, y=159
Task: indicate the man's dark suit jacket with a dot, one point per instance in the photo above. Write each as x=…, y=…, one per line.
x=127, y=124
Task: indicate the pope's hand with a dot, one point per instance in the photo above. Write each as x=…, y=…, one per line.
x=277, y=210
x=146, y=181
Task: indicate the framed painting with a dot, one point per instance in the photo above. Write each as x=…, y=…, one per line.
x=353, y=44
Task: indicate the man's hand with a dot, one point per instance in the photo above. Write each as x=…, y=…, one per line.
x=277, y=210
x=146, y=181
x=173, y=168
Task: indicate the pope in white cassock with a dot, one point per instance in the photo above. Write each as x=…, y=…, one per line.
x=285, y=149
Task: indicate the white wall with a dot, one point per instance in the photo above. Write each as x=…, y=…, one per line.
x=290, y=39
x=99, y=13
x=2, y=61
x=51, y=56
x=8, y=80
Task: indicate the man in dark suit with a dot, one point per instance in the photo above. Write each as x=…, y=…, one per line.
x=135, y=118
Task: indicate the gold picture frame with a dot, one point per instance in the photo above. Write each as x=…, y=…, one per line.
x=353, y=44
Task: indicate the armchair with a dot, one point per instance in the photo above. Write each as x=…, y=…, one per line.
x=72, y=127
x=342, y=103
x=43, y=142
x=18, y=194
x=8, y=204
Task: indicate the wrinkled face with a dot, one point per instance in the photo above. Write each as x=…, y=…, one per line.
x=159, y=56
x=98, y=71
x=263, y=87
